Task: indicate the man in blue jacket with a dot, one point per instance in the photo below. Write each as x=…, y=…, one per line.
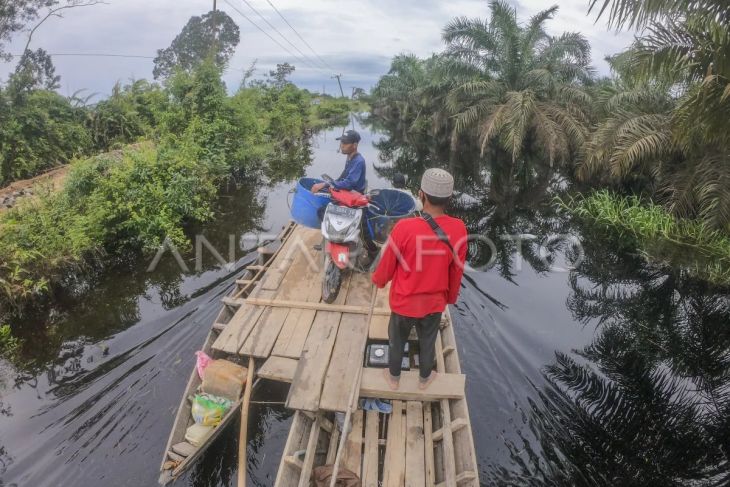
x=353, y=177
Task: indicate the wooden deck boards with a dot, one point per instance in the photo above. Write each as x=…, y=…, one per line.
x=320, y=349
x=347, y=355
x=306, y=389
x=415, y=458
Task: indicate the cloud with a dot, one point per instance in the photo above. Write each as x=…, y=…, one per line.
x=355, y=38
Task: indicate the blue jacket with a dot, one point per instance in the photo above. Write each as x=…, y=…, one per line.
x=353, y=177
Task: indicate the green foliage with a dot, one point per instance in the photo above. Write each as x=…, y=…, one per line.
x=670, y=108
x=658, y=127
x=40, y=129
x=15, y=16
x=521, y=86
x=129, y=201
x=9, y=345
x=660, y=235
x=331, y=111
x=34, y=71
x=213, y=36
x=281, y=73
x=131, y=112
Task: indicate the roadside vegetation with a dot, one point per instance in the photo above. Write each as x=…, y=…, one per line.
x=654, y=133
x=146, y=163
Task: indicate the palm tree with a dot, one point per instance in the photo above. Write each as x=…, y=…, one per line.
x=412, y=94
x=523, y=87
x=680, y=137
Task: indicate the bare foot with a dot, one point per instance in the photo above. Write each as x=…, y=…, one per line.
x=423, y=384
x=393, y=382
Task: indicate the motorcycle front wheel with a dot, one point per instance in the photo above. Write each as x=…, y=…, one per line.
x=331, y=281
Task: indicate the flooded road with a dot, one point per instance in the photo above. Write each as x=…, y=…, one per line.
x=585, y=365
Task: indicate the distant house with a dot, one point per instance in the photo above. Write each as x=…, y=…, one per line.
x=316, y=101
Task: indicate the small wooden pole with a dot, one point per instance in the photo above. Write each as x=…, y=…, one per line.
x=242, y=437
x=352, y=404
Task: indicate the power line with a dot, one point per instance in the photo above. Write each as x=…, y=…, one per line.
x=306, y=58
x=298, y=35
x=259, y=28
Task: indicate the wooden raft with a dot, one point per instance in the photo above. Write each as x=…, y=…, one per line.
x=310, y=344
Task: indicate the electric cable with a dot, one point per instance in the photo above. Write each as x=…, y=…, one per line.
x=299, y=35
x=273, y=27
x=262, y=30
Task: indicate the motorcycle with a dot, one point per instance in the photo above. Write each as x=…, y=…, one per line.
x=344, y=245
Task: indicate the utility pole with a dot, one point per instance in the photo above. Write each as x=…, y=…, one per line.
x=338, y=76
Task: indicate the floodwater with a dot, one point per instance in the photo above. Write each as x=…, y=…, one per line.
x=585, y=364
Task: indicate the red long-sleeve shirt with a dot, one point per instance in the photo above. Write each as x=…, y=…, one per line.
x=425, y=277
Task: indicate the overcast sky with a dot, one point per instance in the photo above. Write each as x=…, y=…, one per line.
x=355, y=38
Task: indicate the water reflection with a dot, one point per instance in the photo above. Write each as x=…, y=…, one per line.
x=647, y=400
x=615, y=373
x=102, y=365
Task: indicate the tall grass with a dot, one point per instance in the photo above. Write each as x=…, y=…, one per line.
x=691, y=244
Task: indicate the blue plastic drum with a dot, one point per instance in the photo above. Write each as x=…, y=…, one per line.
x=305, y=205
x=389, y=206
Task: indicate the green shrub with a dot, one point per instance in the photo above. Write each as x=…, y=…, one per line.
x=660, y=236
x=129, y=201
x=113, y=204
x=131, y=112
x=39, y=130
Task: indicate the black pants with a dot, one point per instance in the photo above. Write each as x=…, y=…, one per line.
x=427, y=329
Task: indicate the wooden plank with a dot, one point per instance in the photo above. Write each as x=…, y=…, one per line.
x=311, y=453
x=449, y=386
x=238, y=329
x=379, y=328
x=415, y=449
x=395, y=451
x=278, y=368
x=428, y=445
x=233, y=302
x=288, y=475
x=306, y=388
x=464, y=453
x=338, y=308
x=332, y=449
x=293, y=334
x=447, y=442
x=352, y=455
x=370, y=450
x=304, y=274
x=261, y=340
x=456, y=425
x=373, y=385
x=348, y=353
x=300, y=242
x=294, y=462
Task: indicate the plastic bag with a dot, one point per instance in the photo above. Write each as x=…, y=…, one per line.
x=209, y=410
x=202, y=362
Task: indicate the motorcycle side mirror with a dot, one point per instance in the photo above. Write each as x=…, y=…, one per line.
x=327, y=178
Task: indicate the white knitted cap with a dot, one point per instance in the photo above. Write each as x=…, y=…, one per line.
x=437, y=182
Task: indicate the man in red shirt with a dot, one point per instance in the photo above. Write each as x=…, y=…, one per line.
x=420, y=258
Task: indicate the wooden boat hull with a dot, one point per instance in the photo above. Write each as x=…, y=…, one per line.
x=174, y=464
